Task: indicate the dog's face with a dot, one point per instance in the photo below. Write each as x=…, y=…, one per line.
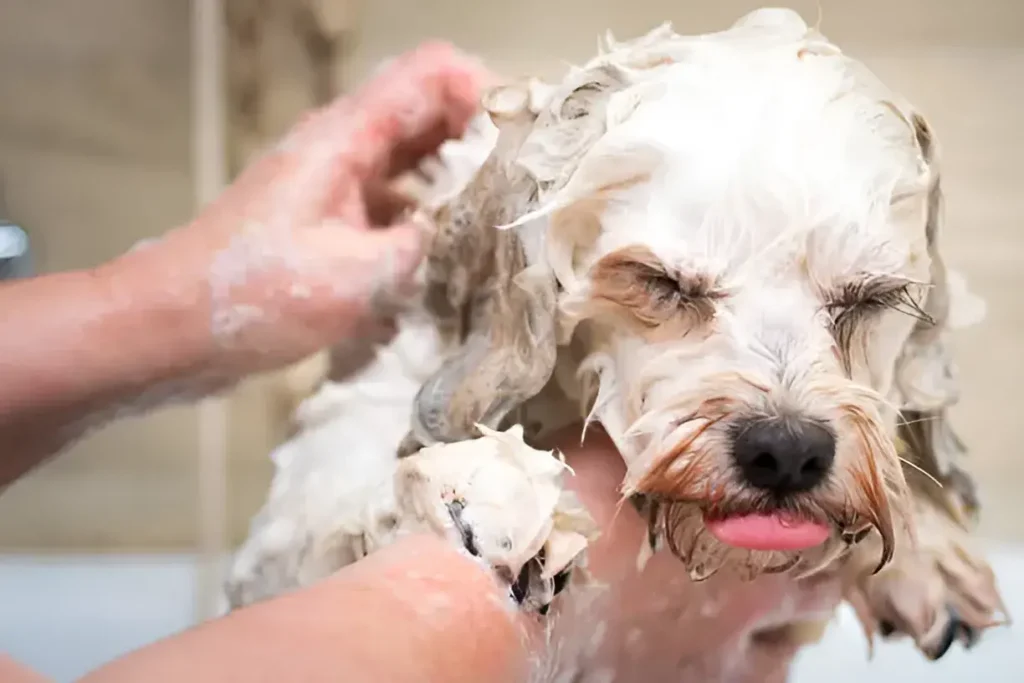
x=745, y=299
x=739, y=238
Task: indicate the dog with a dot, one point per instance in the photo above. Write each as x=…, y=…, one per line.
x=723, y=249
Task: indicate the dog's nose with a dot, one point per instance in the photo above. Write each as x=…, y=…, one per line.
x=784, y=455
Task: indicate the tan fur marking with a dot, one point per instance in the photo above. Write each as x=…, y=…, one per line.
x=635, y=284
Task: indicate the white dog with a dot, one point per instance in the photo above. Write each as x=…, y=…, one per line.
x=722, y=248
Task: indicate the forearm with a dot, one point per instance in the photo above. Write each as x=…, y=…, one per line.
x=415, y=612
x=79, y=347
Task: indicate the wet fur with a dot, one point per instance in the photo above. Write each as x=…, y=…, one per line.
x=631, y=288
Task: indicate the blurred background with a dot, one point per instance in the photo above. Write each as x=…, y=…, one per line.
x=110, y=133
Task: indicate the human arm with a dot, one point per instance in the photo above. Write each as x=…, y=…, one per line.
x=284, y=263
x=79, y=346
x=415, y=612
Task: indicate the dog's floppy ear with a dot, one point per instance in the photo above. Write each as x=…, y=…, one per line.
x=495, y=307
x=926, y=375
x=942, y=590
x=498, y=319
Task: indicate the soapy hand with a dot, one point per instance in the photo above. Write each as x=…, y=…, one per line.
x=296, y=253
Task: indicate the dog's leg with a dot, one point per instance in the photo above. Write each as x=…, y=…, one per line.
x=938, y=590
x=939, y=593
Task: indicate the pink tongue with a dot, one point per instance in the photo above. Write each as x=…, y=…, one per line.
x=768, y=532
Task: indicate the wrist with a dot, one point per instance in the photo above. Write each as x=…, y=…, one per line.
x=201, y=315
x=157, y=319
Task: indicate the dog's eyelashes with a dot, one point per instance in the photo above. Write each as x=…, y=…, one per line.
x=854, y=304
x=874, y=295
x=900, y=300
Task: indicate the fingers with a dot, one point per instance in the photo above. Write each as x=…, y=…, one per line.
x=401, y=249
x=423, y=98
x=372, y=264
x=404, y=112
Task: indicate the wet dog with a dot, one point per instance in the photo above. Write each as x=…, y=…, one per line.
x=725, y=250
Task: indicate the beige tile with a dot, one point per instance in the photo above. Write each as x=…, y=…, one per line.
x=95, y=146
x=530, y=35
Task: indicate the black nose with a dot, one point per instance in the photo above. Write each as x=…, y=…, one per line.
x=783, y=455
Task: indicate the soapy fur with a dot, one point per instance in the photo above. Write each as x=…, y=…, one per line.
x=767, y=175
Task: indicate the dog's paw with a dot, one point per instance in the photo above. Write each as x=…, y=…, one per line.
x=940, y=594
x=504, y=503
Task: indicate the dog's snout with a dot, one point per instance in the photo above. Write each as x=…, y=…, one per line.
x=783, y=455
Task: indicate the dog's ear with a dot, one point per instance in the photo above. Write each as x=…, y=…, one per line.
x=926, y=376
x=942, y=590
x=494, y=306
x=498, y=318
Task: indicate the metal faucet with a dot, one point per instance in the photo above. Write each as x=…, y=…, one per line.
x=15, y=254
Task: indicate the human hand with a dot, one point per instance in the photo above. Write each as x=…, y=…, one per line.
x=294, y=255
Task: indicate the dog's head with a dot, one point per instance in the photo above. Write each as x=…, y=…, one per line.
x=735, y=235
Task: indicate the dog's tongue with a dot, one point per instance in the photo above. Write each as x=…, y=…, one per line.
x=768, y=532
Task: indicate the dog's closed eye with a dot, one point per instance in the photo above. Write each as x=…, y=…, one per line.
x=635, y=281
x=856, y=302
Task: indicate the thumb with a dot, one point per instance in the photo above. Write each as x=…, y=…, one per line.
x=401, y=249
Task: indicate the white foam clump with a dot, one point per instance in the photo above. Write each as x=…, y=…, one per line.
x=510, y=496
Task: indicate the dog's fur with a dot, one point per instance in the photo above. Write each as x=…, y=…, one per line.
x=684, y=233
